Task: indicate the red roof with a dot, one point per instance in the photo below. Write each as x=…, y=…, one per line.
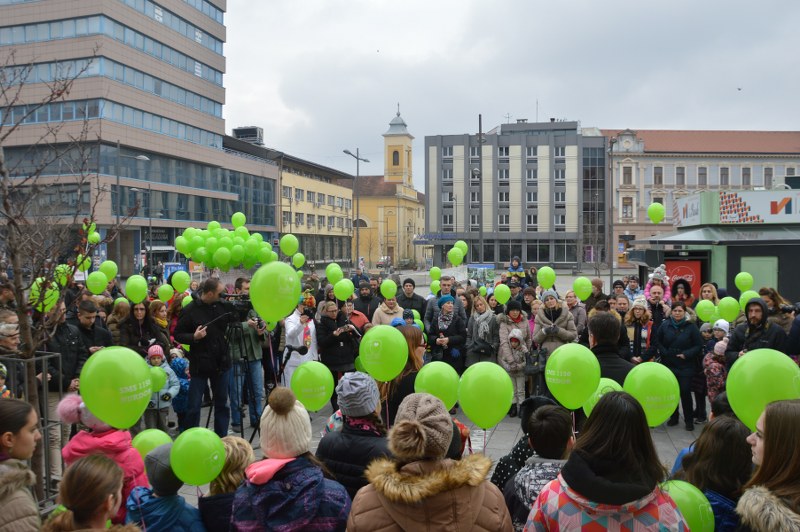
x=678, y=141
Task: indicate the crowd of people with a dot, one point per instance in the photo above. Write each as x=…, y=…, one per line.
x=392, y=458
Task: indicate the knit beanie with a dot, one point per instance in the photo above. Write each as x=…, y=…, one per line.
x=358, y=394
x=445, y=299
x=618, y=283
x=660, y=273
x=706, y=327
x=639, y=302
x=159, y=471
x=720, y=347
x=364, y=284
x=513, y=304
x=72, y=410
x=549, y=293
x=285, y=426
x=408, y=314
x=423, y=428
x=410, y=281
x=723, y=325
x=155, y=350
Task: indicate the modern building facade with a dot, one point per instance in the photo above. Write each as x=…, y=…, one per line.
x=147, y=108
x=666, y=165
x=536, y=191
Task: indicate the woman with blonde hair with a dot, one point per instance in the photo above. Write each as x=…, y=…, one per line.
x=122, y=309
x=639, y=325
x=215, y=508
x=708, y=291
x=158, y=310
x=393, y=392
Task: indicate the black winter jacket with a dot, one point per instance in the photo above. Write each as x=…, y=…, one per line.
x=216, y=510
x=612, y=366
x=766, y=335
x=208, y=356
x=66, y=341
x=141, y=337
x=367, y=306
x=348, y=453
x=684, y=338
x=336, y=352
x=95, y=337
x=415, y=302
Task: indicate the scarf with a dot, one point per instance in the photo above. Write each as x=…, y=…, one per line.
x=445, y=320
x=161, y=323
x=362, y=424
x=518, y=319
x=483, y=321
x=677, y=324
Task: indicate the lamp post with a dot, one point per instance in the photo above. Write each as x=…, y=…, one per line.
x=119, y=201
x=358, y=159
x=149, y=253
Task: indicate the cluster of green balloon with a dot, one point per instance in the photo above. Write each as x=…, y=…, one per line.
x=217, y=247
x=582, y=287
x=97, y=281
x=692, y=503
x=383, y=352
x=546, y=277
x=656, y=389
x=656, y=212
x=439, y=379
x=149, y=439
x=197, y=456
x=457, y=253
x=116, y=384
x=758, y=378
x=312, y=384
x=90, y=230
x=572, y=374
x=274, y=291
x=485, y=393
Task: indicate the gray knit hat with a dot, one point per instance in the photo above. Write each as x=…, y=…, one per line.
x=423, y=428
x=358, y=394
x=159, y=471
x=549, y=292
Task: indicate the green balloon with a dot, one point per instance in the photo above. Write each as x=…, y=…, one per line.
x=116, y=386
x=482, y=291
x=165, y=292
x=258, y=236
x=547, y=277
x=383, y=351
x=238, y=219
x=182, y=244
x=43, y=302
x=582, y=287
x=389, y=289
x=455, y=256
x=185, y=301
x=189, y=233
x=213, y=225
x=359, y=365
x=758, y=378
x=83, y=263
x=656, y=389
x=312, y=383
x=435, y=273
x=212, y=244
x=251, y=247
x=344, y=289
x=222, y=256
x=743, y=281
x=746, y=297
x=435, y=287
x=264, y=255
x=96, y=282
x=195, y=242
x=109, y=267
x=226, y=242
x=289, y=244
x=298, y=259
x=419, y=323
x=197, y=456
x=242, y=232
x=439, y=379
x=728, y=308
x=415, y=312
x=275, y=291
x=181, y=280
x=692, y=503
x=89, y=228
x=300, y=275
x=485, y=394
x=93, y=238
x=334, y=273
x=237, y=253
x=136, y=288
x=63, y=272
x=656, y=212
x=605, y=386
x=572, y=374
x=200, y=254
x=149, y=439
x=248, y=262
x=705, y=309
x=120, y=300
x=158, y=378
x=502, y=293
x=461, y=245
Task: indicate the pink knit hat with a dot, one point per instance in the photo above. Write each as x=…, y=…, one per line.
x=155, y=350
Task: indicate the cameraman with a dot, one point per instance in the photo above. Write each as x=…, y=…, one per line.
x=202, y=326
x=246, y=349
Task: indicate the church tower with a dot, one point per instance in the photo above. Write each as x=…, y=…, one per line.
x=397, y=152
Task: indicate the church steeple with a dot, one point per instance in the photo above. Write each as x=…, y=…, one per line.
x=397, y=147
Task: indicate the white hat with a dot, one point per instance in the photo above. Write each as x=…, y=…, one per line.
x=285, y=426
x=722, y=325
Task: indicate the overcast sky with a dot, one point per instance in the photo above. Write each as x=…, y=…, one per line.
x=321, y=76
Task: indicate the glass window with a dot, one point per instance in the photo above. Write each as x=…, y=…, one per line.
x=658, y=176
x=702, y=176
x=746, y=176
x=724, y=178
x=627, y=207
x=680, y=176
x=767, y=177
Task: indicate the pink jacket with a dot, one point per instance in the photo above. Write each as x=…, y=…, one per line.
x=116, y=444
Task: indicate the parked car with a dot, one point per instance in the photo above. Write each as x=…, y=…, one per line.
x=384, y=262
x=406, y=264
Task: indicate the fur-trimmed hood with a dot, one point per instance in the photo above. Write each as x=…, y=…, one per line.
x=760, y=509
x=19, y=509
x=14, y=475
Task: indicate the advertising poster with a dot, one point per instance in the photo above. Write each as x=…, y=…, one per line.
x=685, y=269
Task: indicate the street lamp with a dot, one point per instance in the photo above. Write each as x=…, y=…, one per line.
x=119, y=201
x=358, y=159
x=149, y=253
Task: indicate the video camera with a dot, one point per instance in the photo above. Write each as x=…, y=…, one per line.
x=241, y=305
x=788, y=309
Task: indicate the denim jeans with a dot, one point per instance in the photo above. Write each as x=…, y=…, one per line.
x=219, y=391
x=255, y=398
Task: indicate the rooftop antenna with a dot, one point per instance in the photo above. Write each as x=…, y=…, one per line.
x=508, y=118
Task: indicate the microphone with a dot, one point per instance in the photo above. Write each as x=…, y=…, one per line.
x=301, y=350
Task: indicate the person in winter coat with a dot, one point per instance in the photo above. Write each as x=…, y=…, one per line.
x=633, y=290
x=328, y=295
x=448, y=335
x=338, y=344
x=155, y=417
x=603, y=335
x=94, y=337
x=771, y=500
x=611, y=478
x=432, y=309
x=756, y=333
x=161, y=509
x=180, y=403
x=216, y=507
x=96, y=437
x=659, y=278
x=301, y=330
x=514, y=361
x=122, y=309
x=387, y=311
x=639, y=328
x=90, y=494
x=578, y=311
x=410, y=300
x=707, y=291
x=288, y=490
x=555, y=325
x=422, y=490
x=774, y=303
x=19, y=435
x=366, y=303
x=139, y=331
x=348, y=452
x=516, y=271
x=719, y=465
x=597, y=294
x=358, y=319
x=680, y=345
x=393, y=392
x=483, y=335
x=714, y=367
x=550, y=435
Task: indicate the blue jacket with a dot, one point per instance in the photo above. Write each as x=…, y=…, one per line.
x=216, y=511
x=162, y=514
x=725, y=516
x=180, y=403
